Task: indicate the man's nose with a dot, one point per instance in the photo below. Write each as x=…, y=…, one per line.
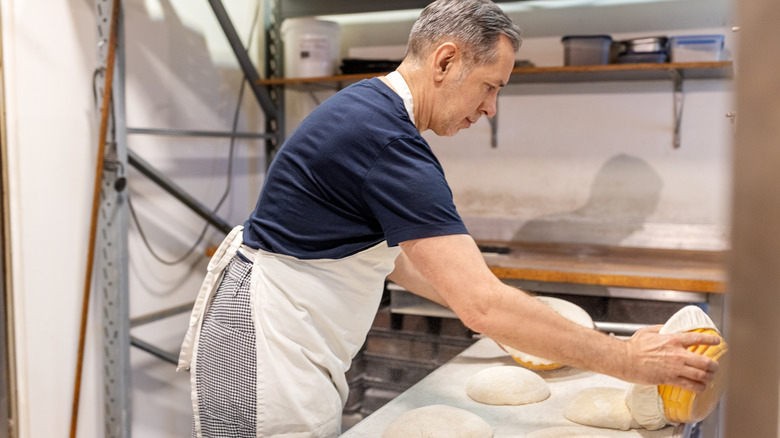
x=488, y=107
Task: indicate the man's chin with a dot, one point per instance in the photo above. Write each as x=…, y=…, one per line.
x=449, y=132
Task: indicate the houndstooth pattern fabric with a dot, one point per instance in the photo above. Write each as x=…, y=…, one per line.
x=225, y=369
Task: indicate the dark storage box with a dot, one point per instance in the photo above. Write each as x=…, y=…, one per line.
x=586, y=49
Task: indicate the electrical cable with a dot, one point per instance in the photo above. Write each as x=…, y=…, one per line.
x=231, y=151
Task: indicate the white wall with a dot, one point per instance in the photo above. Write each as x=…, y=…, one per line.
x=590, y=162
x=180, y=74
x=51, y=140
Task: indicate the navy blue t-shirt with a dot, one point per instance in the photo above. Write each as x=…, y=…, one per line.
x=354, y=173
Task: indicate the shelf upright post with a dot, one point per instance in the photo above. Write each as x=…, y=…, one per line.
x=274, y=69
x=111, y=277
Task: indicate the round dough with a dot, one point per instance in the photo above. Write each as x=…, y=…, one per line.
x=438, y=421
x=568, y=310
x=507, y=385
x=600, y=407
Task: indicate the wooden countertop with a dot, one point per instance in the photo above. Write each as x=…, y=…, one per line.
x=646, y=268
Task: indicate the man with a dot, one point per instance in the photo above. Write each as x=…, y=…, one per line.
x=355, y=195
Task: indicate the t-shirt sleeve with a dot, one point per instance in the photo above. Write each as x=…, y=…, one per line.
x=408, y=194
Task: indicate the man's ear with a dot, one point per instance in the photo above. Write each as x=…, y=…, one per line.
x=446, y=58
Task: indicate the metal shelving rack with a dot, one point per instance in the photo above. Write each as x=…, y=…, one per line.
x=112, y=263
x=111, y=278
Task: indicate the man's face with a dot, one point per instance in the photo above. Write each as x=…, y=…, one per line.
x=465, y=99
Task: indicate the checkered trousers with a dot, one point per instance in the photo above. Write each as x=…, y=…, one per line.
x=225, y=368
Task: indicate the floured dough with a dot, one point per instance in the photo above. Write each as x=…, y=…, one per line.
x=577, y=432
x=600, y=407
x=507, y=385
x=438, y=421
x=646, y=406
x=568, y=310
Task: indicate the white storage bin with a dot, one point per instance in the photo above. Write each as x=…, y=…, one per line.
x=311, y=47
x=696, y=48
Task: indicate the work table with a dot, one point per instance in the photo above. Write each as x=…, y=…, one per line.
x=447, y=385
x=631, y=267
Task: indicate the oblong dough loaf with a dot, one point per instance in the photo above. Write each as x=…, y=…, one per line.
x=600, y=407
x=438, y=421
x=507, y=385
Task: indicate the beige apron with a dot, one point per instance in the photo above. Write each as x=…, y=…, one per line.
x=311, y=317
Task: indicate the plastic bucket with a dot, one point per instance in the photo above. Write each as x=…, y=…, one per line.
x=311, y=47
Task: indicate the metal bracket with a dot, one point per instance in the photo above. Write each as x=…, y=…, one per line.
x=494, y=128
x=678, y=104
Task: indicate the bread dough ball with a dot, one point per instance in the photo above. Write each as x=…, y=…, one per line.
x=600, y=407
x=507, y=385
x=438, y=421
x=574, y=432
x=568, y=310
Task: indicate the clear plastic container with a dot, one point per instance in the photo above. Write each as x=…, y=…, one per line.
x=696, y=48
x=586, y=49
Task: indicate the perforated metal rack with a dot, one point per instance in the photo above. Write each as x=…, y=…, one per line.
x=110, y=279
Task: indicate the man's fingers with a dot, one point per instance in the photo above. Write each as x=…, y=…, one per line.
x=700, y=362
x=693, y=378
x=689, y=384
x=704, y=374
x=689, y=339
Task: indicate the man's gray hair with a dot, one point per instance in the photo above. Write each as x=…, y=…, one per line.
x=475, y=25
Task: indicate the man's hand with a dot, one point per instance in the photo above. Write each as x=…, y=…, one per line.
x=656, y=359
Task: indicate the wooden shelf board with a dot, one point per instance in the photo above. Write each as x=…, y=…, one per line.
x=622, y=72
x=578, y=73
x=646, y=268
x=320, y=79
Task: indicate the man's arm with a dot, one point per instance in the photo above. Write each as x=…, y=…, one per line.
x=407, y=276
x=451, y=271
